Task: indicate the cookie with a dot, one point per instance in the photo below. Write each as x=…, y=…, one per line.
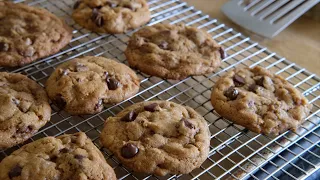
x=24, y=108
x=67, y=157
x=260, y=101
x=29, y=33
x=83, y=85
x=111, y=16
x=158, y=137
x=173, y=51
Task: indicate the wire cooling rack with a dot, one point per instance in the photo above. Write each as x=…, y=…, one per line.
x=235, y=153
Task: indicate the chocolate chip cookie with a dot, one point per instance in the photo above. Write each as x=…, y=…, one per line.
x=29, y=33
x=67, y=157
x=24, y=108
x=260, y=101
x=111, y=16
x=83, y=85
x=158, y=137
x=173, y=51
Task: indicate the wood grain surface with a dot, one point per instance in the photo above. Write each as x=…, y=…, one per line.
x=299, y=43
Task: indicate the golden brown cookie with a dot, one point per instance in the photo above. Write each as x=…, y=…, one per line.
x=67, y=157
x=83, y=85
x=29, y=33
x=158, y=137
x=173, y=51
x=24, y=108
x=260, y=101
x=111, y=16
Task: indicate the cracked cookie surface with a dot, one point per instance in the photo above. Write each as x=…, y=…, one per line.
x=260, y=101
x=24, y=108
x=173, y=51
x=29, y=33
x=67, y=157
x=111, y=16
x=83, y=85
x=158, y=137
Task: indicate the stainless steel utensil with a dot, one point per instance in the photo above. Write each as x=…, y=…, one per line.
x=266, y=17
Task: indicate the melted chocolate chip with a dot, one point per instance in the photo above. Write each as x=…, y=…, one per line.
x=76, y=5
x=260, y=81
x=151, y=107
x=131, y=116
x=129, y=151
x=81, y=67
x=231, y=93
x=98, y=105
x=187, y=123
x=129, y=6
x=16, y=101
x=79, y=157
x=65, y=72
x=250, y=103
x=238, y=80
x=222, y=53
x=106, y=74
x=97, y=17
x=112, y=83
x=15, y=171
x=163, y=45
x=253, y=88
x=4, y=46
x=26, y=129
x=64, y=150
x=53, y=158
x=29, y=52
x=59, y=101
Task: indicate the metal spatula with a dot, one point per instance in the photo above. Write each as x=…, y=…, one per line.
x=266, y=17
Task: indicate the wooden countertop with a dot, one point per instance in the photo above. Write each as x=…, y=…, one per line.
x=299, y=43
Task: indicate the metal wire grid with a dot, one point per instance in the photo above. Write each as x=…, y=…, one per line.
x=235, y=153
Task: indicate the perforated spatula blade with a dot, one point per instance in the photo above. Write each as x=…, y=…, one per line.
x=266, y=17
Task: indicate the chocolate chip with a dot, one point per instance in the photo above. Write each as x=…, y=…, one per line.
x=250, y=103
x=28, y=42
x=111, y=4
x=238, y=80
x=97, y=17
x=79, y=157
x=65, y=72
x=231, y=93
x=163, y=45
x=16, y=101
x=98, y=105
x=59, y=101
x=187, y=123
x=106, y=74
x=253, y=88
x=260, y=81
x=151, y=107
x=112, y=83
x=223, y=54
x=129, y=151
x=29, y=52
x=4, y=46
x=26, y=129
x=81, y=67
x=64, y=150
x=76, y=5
x=131, y=116
x=15, y=172
x=54, y=158
x=129, y=6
